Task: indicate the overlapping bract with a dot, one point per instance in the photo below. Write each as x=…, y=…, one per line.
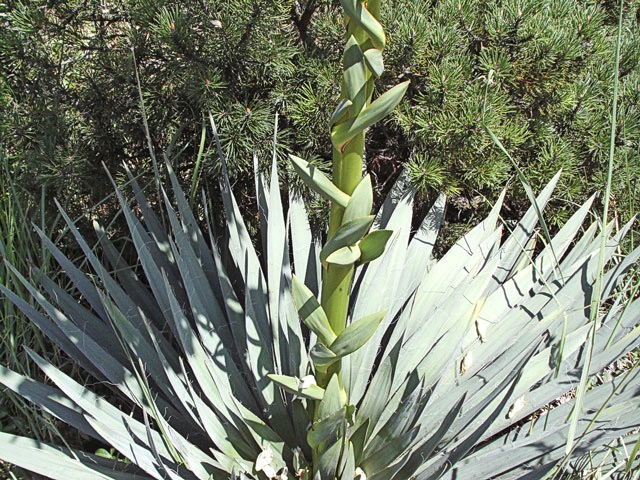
x=471, y=346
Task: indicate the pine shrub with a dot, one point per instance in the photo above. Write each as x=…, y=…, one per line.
x=537, y=73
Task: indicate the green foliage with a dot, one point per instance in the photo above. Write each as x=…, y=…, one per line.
x=454, y=357
x=70, y=70
x=224, y=364
x=20, y=247
x=537, y=73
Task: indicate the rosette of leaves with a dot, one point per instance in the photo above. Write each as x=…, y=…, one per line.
x=224, y=363
x=471, y=346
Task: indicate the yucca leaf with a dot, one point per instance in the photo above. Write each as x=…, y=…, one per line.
x=232, y=306
x=372, y=114
x=361, y=201
x=195, y=236
x=333, y=399
x=328, y=431
x=305, y=247
x=356, y=334
x=377, y=396
x=380, y=459
x=329, y=461
x=344, y=256
x=543, y=440
x=293, y=385
x=118, y=429
x=79, y=278
x=311, y=313
x=409, y=410
x=62, y=464
x=322, y=356
x=470, y=439
x=212, y=377
x=374, y=60
x=154, y=225
x=277, y=249
x=52, y=331
x=341, y=110
x=129, y=281
x=145, y=352
x=319, y=182
x=89, y=349
x=378, y=283
x=50, y=399
x=348, y=469
x=355, y=75
x=428, y=445
x=373, y=245
x=356, y=11
x=164, y=470
x=347, y=235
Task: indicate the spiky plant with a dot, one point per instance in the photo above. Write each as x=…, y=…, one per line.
x=225, y=364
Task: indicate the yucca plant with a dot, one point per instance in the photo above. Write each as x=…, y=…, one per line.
x=224, y=364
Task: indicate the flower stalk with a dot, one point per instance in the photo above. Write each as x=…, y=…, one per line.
x=362, y=65
x=349, y=241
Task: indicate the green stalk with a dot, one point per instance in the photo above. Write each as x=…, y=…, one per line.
x=350, y=217
x=349, y=243
x=336, y=284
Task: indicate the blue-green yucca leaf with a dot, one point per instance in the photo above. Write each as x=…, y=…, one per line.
x=311, y=312
x=333, y=399
x=361, y=201
x=322, y=356
x=327, y=439
x=377, y=284
x=348, y=463
x=341, y=110
x=525, y=229
x=355, y=76
x=389, y=444
x=344, y=256
x=58, y=335
x=542, y=443
x=347, y=235
x=419, y=252
x=357, y=12
x=427, y=446
x=356, y=334
x=50, y=399
x=225, y=331
x=62, y=464
x=373, y=245
x=125, y=275
x=305, y=248
x=84, y=284
x=376, y=399
x=278, y=270
x=380, y=459
x=409, y=410
x=376, y=111
x=297, y=387
x=374, y=60
x=213, y=380
x=89, y=349
x=319, y=182
x=126, y=434
x=462, y=444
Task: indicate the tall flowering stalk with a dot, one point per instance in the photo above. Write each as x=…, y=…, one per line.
x=349, y=241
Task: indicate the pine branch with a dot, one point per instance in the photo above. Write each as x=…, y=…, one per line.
x=301, y=18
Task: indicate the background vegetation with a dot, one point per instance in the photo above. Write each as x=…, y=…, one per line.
x=538, y=73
